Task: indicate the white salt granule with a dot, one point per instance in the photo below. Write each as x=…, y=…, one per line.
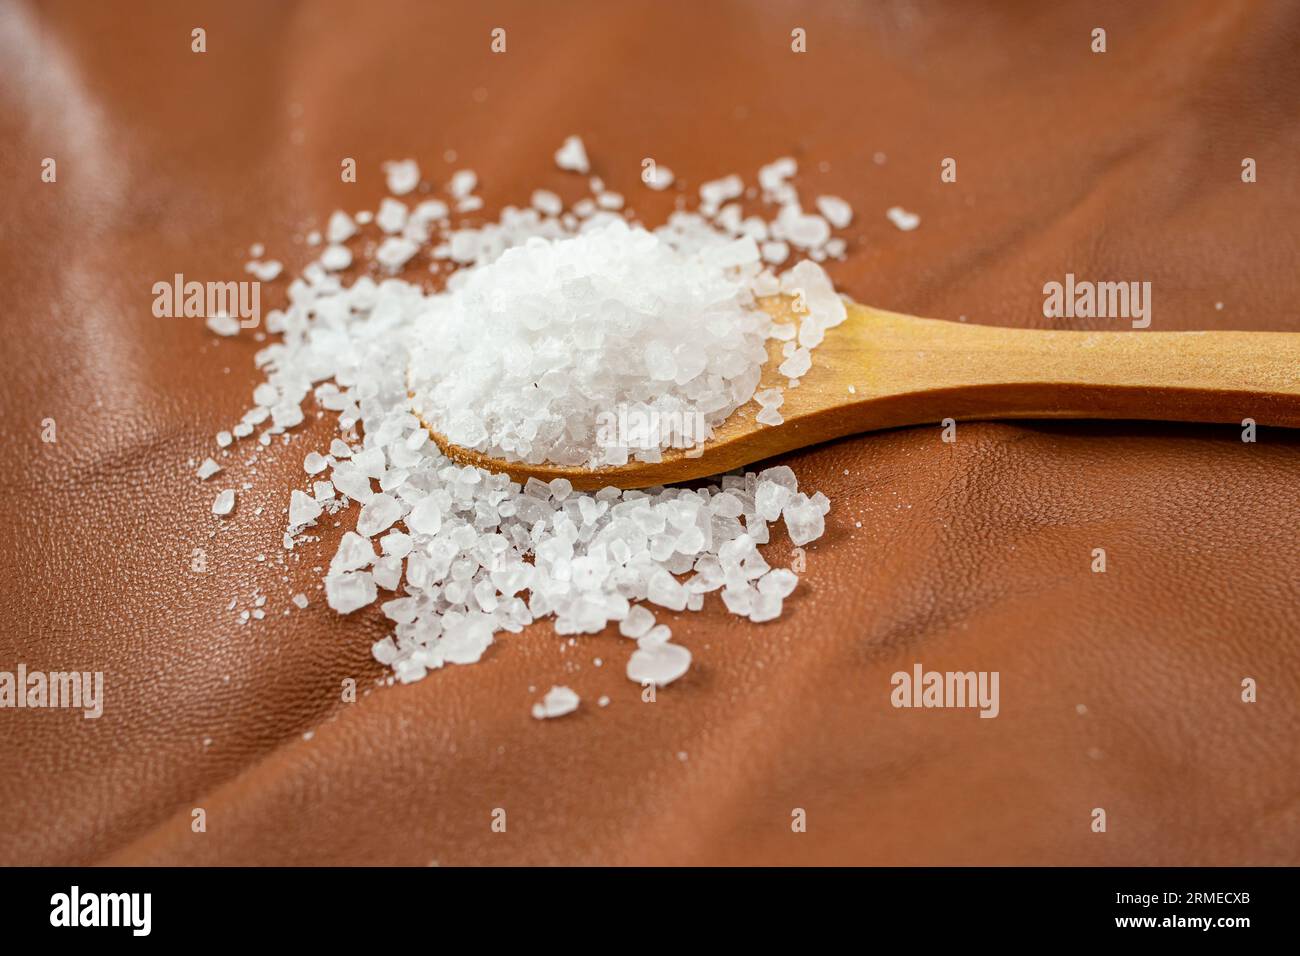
x=547, y=202
x=349, y=590
x=314, y=463
x=557, y=702
x=837, y=212
x=658, y=662
x=572, y=156
x=402, y=176
x=225, y=502
x=637, y=623
x=303, y=508
x=462, y=183
x=378, y=514
x=207, y=469
x=265, y=271
x=904, y=220
x=391, y=217
x=797, y=365
x=340, y=228
x=395, y=252
x=660, y=178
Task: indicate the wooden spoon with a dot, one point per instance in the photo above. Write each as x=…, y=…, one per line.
x=882, y=370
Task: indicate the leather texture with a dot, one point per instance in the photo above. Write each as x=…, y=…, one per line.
x=1118, y=690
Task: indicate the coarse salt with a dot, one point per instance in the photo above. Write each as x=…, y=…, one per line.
x=548, y=318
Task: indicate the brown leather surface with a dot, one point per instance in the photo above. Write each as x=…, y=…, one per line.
x=973, y=555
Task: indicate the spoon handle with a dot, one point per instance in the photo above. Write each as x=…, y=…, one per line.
x=985, y=371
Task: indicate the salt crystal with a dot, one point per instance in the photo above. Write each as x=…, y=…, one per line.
x=638, y=622
x=547, y=202
x=462, y=183
x=425, y=517
x=224, y=503
x=660, y=178
x=837, y=212
x=354, y=553
x=395, y=252
x=797, y=364
x=658, y=664
x=779, y=582
x=303, y=508
x=666, y=591
x=207, y=469
x=266, y=271
x=764, y=607
x=402, y=176
x=904, y=220
x=314, y=463
x=803, y=520
x=348, y=591
x=557, y=702
x=391, y=217
x=341, y=228
x=336, y=257
x=572, y=156
x=378, y=514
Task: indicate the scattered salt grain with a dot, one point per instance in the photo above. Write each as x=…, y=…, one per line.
x=224, y=503
x=904, y=220
x=660, y=178
x=266, y=271
x=393, y=253
x=658, y=663
x=557, y=702
x=462, y=183
x=547, y=202
x=348, y=591
x=378, y=514
x=303, y=508
x=637, y=623
x=572, y=156
x=341, y=228
x=837, y=212
x=336, y=258
x=207, y=469
x=402, y=176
